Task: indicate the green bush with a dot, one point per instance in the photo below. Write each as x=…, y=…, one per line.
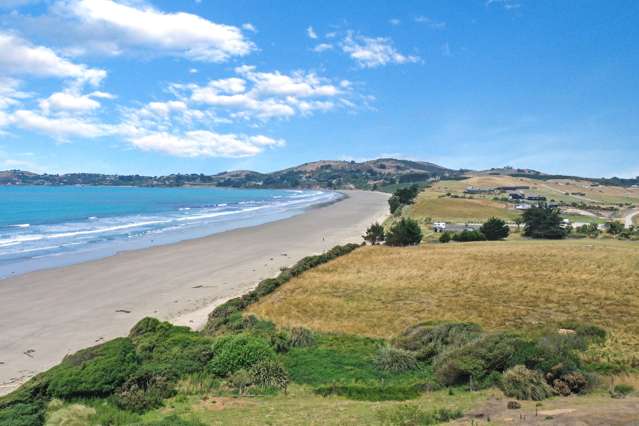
x=144, y=392
x=413, y=415
x=371, y=392
x=445, y=237
x=521, y=383
x=301, y=337
x=168, y=350
x=615, y=228
x=466, y=236
x=495, y=229
x=623, y=389
x=22, y=414
x=94, y=372
x=394, y=360
x=174, y=420
x=240, y=380
x=234, y=352
x=270, y=374
x=479, y=359
x=428, y=340
x=406, y=232
x=374, y=234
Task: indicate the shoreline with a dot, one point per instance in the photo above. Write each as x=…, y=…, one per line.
x=50, y=313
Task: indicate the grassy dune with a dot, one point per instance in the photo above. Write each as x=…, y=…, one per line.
x=379, y=291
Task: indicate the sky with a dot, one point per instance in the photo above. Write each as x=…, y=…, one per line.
x=201, y=86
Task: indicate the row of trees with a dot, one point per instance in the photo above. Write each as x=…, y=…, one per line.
x=402, y=197
x=406, y=232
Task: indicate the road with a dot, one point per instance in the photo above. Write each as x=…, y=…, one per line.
x=629, y=216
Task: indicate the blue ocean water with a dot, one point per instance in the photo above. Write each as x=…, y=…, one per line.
x=48, y=226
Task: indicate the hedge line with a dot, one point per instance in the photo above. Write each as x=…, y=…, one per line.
x=219, y=318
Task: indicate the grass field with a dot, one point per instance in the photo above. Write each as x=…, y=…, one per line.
x=558, y=190
x=429, y=204
x=379, y=291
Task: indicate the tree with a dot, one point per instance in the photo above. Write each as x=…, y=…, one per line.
x=543, y=221
x=402, y=197
x=406, y=232
x=518, y=221
x=615, y=228
x=495, y=229
x=374, y=234
x=394, y=204
x=444, y=237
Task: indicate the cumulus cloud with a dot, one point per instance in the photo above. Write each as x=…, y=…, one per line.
x=115, y=26
x=205, y=143
x=266, y=95
x=58, y=127
x=69, y=101
x=10, y=93
x=371, y=52
x=19, y=57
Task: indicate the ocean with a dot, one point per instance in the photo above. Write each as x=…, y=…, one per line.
x=49, y=226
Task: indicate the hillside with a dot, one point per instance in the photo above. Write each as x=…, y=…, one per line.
x=319, y=174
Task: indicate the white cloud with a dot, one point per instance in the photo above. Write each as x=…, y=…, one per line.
x=394, y=21
x=322, y=47
x=431, y=23
x=506, y=4
x=10, y=95
x=19, y=57
x=249, y=27
x=69, y=101
x=311, y=33
x=371, y=52
x=205, y=143
x=118, y=26
x=266, y=95
x=61, y=127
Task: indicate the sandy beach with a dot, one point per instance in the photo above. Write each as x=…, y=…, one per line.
x=51, y=313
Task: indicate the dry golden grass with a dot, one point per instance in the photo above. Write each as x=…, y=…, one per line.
x=558, y=189
x=379, y=291
x=428, y=204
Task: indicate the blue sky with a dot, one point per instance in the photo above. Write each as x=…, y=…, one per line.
x=158, y=86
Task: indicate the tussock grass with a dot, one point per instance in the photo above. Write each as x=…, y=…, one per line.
x=380, y=291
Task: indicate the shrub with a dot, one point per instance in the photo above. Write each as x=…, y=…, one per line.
x=467, y=236
x=428, y=340
x=478, y=359
x=522, y=383
x=301, y=337
x=401, y=197
x=94, y=372
x=406, y=232
x=281, y=341
x=394, y=360
x=374, y=234
x=144, y=392
x=445, y=237
x=72, y=415
x=270, y=373
x=413, y=415
x=22, y=414
x=571, y=382
x=234, y=352
x=615, y=228
x=495, y=229
x=174, y=420
x=168, y=350
x=623, y=389
x=371, y=392
x=543, y=222
x=240, y=380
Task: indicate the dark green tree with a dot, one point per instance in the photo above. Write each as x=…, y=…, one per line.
x=495, y=229
x=394, y=204
x=543, y=221
x=615, y=228
x=402, y=197
x=406, y=232
x=374, y=234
